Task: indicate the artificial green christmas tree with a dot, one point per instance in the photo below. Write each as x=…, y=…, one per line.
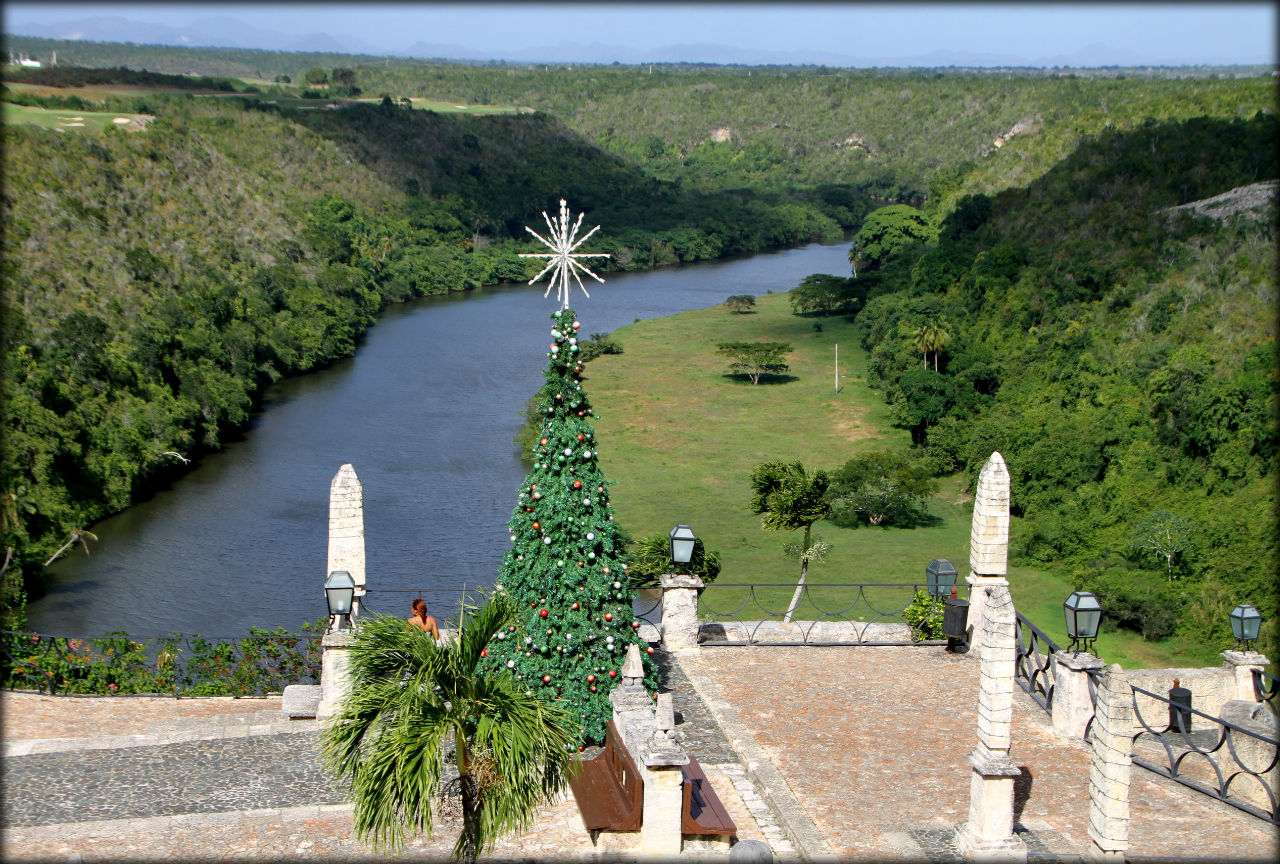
x=565, y=568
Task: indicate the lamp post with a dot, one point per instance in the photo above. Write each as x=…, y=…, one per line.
x=1245, y=622
x=1084, y=615
x=339, y=589
x=682, y=542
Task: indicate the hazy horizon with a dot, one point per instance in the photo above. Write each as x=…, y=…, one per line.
x=839, y=34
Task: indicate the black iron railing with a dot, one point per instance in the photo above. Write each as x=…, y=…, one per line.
x=445, y=603
x=175, y=665
x=1211, y=755
x=1034, y=664
x=1266, y=689
x=827, y=614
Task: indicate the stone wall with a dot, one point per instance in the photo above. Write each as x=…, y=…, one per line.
x=1210, y=688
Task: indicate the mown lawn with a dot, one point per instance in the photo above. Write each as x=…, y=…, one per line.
x=679, y=437
x=63, y=119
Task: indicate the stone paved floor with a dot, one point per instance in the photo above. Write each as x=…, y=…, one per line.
x=216, y=779
x=869, y=743
x=872, y=743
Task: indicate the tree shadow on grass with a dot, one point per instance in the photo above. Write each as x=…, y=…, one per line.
x=739, y=378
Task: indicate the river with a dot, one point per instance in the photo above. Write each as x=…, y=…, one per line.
x=426, y=412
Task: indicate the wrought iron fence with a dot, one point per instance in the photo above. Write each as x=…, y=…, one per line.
x=175, y=665
x=825, y=615
x=1221, y=759
x=1266, y=689
x=445, y=603
x=1034, y=668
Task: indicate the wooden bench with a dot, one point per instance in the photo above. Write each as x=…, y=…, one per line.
x=702, y=812
x=608, y=789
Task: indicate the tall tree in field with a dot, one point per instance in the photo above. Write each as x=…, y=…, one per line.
x=565, y=568
x=410, y=695
x=787, y=498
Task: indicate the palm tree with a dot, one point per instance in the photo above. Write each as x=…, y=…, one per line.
x=787, y=498
x=409, y=695
x=78, y=535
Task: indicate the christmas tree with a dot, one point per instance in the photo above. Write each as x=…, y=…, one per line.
x=565, y=567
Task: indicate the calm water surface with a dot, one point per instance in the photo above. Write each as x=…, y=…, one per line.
x=425, y=412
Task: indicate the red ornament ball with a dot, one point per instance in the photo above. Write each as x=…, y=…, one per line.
x=591, y=679
x=484, y=652
x=577, y=484
x=546, y=679
x=581, y=748
x=575, y=607
x=649, y=650
x=608, y=616
x=537, y=526
x=613, y=673
x=543, y=442
x=593, y=688
x=635, y=624
x=581, y=437
x=543, y=613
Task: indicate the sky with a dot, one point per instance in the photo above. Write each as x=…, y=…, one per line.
x=836, y=33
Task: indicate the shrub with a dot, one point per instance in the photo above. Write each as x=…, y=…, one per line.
x=924, y=614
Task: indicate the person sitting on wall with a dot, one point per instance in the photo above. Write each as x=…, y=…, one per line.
x=422, y=620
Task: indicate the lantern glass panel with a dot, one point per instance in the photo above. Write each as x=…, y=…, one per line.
x=339, y=589
x=1245, y=622
x=682, y=540
x=1083, y=614
x=940, y=575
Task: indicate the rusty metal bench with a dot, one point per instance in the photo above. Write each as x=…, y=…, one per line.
x=608, y=789
x=702, y=812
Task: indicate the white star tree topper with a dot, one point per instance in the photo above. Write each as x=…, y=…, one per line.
x=563, y=257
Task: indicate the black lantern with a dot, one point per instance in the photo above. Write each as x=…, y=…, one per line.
x=682, y=540
x=1245, y=622
x=339, y=589
x=941, y=575
x=1084, y=615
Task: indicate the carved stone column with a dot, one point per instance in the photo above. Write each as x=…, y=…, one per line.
x=988, y=540
x=988, y=834
x=346, y=530
x=1072, y=707
x=680, y=610
x=662, y=756
x=1110, y=768
x=1244, y=663
x=335, y=672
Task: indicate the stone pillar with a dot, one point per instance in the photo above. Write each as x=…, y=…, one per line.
x=1244, y=663
x=335, y=672
x=680, y=610
x=988, y=834
x=1072, y=705
x=346, y=530
x=1110, y=768
x=662, y=757
x=988, y=540
x=632, y=707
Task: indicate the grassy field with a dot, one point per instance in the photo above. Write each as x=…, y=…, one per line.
x=67, y=120
x=679, y=439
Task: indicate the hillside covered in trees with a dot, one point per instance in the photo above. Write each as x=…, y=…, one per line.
x=1119, y=349
x=158, y=281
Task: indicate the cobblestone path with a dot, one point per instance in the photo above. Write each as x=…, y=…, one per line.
x=248, y=773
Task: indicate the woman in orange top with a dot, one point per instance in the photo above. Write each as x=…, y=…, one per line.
x=422, y=620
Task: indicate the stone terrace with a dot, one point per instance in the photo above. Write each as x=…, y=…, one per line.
x=859, y=753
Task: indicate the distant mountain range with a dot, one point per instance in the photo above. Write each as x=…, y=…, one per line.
x=228, y=32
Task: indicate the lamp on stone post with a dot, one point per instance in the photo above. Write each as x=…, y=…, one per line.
x=1245, y=622
x=682, y=542
x=1084, y=615
x=339, y=589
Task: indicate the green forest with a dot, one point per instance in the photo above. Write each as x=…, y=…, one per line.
x=1118, y=353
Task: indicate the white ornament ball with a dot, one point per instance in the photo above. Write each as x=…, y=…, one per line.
x=591, y=535
x=546, y=541
x=511, y=664
x=568, y=451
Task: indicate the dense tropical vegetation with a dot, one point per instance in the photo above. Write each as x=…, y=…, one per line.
x=1121, y=355
x=1027, y=286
